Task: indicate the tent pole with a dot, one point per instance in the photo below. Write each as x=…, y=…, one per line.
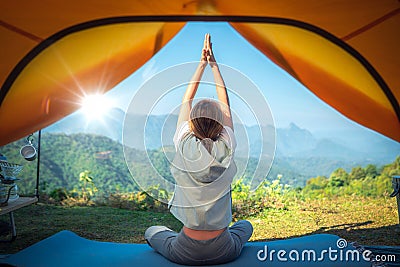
x=38, y=165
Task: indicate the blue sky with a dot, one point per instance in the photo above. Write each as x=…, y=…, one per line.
x=288, y=100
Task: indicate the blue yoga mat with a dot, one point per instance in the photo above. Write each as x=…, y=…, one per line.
x=68, y=249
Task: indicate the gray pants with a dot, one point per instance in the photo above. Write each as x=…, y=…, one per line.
x=180, y=248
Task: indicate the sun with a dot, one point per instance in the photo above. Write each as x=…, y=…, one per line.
x=96, y=106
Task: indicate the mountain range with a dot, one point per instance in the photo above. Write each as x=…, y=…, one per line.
x=297, y=149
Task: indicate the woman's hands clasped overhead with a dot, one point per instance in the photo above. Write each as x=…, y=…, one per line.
x=207, y=55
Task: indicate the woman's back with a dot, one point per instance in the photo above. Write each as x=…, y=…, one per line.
x=202, y=198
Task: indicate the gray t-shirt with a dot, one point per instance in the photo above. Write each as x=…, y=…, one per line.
x=202, y=197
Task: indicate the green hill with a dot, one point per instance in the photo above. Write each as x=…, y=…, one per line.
x=64, y=157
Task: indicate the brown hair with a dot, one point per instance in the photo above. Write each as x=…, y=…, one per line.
x=205, y=121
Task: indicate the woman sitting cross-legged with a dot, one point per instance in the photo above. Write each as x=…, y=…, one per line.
x=203, y=169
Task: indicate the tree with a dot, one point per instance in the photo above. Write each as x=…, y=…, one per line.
x=339, y=177
x=87, y=185
x=319, y=182
x=371, y=171
x=392, y=168
x=357, y=173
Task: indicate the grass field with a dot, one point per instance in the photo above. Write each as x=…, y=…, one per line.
x=369, y=221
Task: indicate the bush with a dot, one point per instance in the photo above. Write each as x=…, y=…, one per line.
x=58, y=195
x=269, y=195
x=245, y=203
x=133, y=201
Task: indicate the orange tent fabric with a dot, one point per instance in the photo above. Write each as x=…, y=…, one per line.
x=54, y=52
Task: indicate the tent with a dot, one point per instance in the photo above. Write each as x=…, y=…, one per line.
x=344, y=51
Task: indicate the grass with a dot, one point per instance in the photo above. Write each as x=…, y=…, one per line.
x=37, y=222
x=369, y=221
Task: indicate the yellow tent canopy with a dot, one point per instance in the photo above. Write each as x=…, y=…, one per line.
x=53, y=52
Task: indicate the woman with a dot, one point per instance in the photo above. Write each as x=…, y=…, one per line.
x=203, y=169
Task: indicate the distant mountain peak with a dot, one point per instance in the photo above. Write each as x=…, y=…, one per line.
x=291, y=141
x=293, y=126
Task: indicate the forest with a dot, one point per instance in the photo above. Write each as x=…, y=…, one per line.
x=64, y=159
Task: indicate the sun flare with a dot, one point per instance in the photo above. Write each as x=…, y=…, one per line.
x=96, y=106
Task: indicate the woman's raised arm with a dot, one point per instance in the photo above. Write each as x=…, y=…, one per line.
x=192, y=87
